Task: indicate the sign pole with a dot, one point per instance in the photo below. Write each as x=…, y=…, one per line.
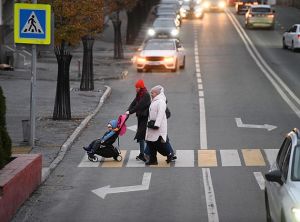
x=33, y=93
x=32, y=96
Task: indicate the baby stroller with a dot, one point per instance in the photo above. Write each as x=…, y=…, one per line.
x=104, y=146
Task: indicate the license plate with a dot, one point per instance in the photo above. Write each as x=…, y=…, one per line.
x=154, y=63
x=162, y=36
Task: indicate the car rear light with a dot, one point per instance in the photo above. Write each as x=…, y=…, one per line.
x=169, y=59
x=141, y=60
x=298, y=37
x=250, y=15
x=255, y=3
x=270, y=16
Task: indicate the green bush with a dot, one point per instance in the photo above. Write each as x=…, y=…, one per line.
x=5, y=142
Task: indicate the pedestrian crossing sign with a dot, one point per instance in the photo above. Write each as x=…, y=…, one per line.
x=32, y=23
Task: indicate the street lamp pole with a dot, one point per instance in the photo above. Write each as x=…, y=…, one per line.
x=33, y=93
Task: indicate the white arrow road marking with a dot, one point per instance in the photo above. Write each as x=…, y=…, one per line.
x=239, y=123
x=103, y=191
x=133, y=128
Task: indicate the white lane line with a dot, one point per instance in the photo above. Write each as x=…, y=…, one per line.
x=260, y=180
x=86, y=163
x=198, y=77
x=200, y=87
x=185, y=158
x=132, y=162
x=265, y=68
x=203, y=136
x=212, y=210
x=230, y=158
x=271, y=155
x=198, y=70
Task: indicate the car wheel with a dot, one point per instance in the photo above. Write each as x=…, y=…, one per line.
x=293, y=47
x=183, y=63
x=139, y=70
x=284, y=46
x=175, y=69
x=269, y=219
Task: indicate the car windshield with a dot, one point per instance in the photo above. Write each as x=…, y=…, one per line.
x=163, y=23
x=263, y=9
x=159, y=46
x=296, y=164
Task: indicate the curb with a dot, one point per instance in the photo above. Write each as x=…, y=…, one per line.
x=47, y=170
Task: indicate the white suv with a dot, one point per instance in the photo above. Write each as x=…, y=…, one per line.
x=282, y=192
x=291, y=38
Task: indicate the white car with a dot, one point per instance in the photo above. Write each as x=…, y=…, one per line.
x=163, y=28
x=291, y=38
x=160, y=53
x=282, y=192
x=260, y=16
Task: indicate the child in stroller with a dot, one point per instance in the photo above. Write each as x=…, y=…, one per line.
x=104, y=146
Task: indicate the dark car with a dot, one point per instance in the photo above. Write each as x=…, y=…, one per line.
x=242, y=6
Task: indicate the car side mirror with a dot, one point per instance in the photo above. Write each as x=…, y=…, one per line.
x=274, y=176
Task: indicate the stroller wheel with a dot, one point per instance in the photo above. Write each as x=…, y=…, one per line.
x=94, y=159
x=118, y=158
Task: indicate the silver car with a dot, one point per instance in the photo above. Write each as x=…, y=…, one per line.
x=163, y=28
x=282, y=192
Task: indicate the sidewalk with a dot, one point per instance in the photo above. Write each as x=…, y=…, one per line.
x=53, y=138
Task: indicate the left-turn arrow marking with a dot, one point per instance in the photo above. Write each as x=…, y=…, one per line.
x=103, y=191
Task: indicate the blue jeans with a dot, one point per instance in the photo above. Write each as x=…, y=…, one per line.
x=142, y=146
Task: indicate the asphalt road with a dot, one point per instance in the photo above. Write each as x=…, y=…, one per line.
x=221, y=84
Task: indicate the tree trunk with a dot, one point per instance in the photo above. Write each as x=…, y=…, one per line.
x=62, y=107
x=118, y=47
x=87, y=77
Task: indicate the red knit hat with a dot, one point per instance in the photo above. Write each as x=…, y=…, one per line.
x=139, y=84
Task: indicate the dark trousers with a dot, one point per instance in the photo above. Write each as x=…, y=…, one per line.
x=157, y=146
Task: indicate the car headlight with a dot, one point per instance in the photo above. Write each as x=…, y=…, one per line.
x=151, y=32
x=140, y=60
x=206, y=5
x=174, y=32
x=296, y=213
x=221, y=4
x=169, y=59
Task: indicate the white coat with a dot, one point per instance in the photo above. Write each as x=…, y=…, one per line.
x=157, y=112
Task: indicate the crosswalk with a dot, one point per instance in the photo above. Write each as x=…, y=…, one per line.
x=193, y=158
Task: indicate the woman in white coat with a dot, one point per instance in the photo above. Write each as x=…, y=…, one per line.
x=156, y=135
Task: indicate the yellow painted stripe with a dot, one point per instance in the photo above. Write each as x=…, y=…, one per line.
x=161, y=161
x=110, y=162
x=253, y=157
x=207, y=158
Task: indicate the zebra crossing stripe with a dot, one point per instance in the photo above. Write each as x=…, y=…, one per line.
x=185, y=158
x=253, y=157
x=260, y=180
x=110, y=162
x=132, y=162
x=230, y=158
x=207, y=158
x=86, y=163
x=271, y=155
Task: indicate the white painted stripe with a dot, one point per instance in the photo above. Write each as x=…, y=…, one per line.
x=230, y=158
x=197, y=66
x=86, y=163
x=199, y=80
x=212, y=211
x=201, y=94
x=197, y=62
x=132, y=162
x=200, y=86
x=271, y=155
x=203, y=136
x=185, y=158
x=198, y=70
x=198, y=77
x=196, y=53
x=260, y=180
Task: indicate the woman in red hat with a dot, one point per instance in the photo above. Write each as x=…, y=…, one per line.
x=140, y=106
